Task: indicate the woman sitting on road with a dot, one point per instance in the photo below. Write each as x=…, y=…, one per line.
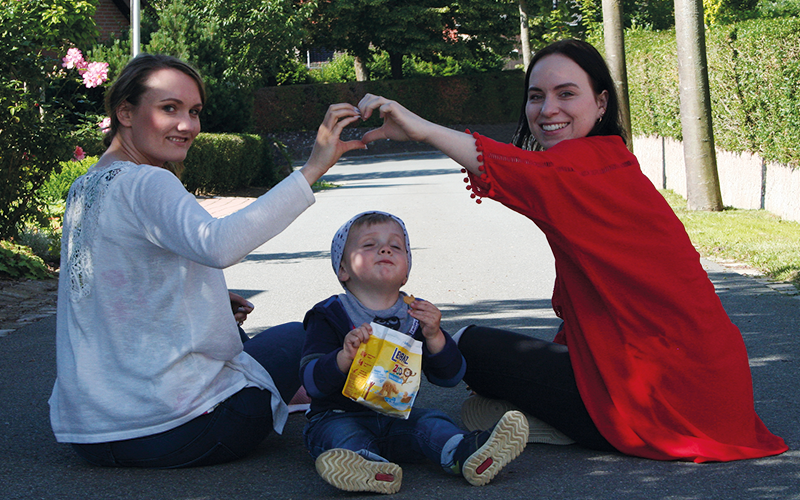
x=646, y=361
x=152, y=371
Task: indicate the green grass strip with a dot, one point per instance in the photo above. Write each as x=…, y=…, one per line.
x=753, y=237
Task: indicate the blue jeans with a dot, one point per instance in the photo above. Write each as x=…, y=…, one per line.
x=380, y=437
x=235, y=427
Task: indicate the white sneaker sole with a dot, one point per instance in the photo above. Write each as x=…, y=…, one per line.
x=479, y=413
x=349, y=471
x=506, y=442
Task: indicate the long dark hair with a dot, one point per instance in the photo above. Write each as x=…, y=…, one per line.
x=130, y=85
x=590, y=60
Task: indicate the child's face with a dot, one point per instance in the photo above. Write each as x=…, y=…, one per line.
x=375, y=257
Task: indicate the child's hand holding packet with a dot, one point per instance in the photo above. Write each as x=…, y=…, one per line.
x=385, y=374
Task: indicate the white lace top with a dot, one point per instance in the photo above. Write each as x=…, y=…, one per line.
x=146, y=339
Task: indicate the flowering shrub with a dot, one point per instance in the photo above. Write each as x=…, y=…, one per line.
x=42, y=107
x=78, y=155
x=44, y=101
x=94, y=73
x=73, y=59
x=104, y=125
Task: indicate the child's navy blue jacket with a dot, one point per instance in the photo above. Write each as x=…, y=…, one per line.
x=326, y=325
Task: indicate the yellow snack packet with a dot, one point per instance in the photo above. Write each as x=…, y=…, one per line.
x=385, y=374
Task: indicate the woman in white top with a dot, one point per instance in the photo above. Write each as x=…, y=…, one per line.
x=152, y=371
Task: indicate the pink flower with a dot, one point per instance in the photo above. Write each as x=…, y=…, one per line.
x=96, y=73
x=74, y=59
x=78, y=155
x=105, y=125
x=450, y=35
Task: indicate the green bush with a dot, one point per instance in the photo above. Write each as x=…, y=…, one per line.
x=44, y=243
x=340, y=69
x=754, y=74
x=52, y=195
x=294, y=72
x=56, y=187
x=478, y=98
x=42, y=232
x=19, y=261
x=652, y=63
x=778, y=8
x=220, y=163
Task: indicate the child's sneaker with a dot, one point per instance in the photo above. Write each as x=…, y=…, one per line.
x=479, y=413
x=481, y=454
x=349, y=471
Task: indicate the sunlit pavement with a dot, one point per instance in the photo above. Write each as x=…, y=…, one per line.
x=478, y=263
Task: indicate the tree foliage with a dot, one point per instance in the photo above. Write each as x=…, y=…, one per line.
x=428, y=29
x=256, y=37
x=237, y=45
x=649, y=14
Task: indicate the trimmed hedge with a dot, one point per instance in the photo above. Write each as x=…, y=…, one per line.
x=754, y=76
x=221, y=163
x=479, y=98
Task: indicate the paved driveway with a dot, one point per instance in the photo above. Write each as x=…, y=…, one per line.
x=479, y=264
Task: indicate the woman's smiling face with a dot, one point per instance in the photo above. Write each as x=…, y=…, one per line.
x=166, y=119
x=561, y=101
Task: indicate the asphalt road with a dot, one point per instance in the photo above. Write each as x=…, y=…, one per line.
x=479, y=264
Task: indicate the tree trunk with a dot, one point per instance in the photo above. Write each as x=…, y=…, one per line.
x=524, y=34
x=702, y=180
x=396, y=63
x=362, y=73
x=614, y=36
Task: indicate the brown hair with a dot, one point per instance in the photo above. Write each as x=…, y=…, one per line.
x=372, y=219
x=131, y=84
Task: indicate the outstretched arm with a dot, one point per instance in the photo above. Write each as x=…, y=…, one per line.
x=328, y=148
x=400, y=124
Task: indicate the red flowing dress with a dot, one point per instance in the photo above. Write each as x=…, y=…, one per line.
x=660, y=367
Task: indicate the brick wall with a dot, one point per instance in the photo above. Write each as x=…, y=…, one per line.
x=109, y=19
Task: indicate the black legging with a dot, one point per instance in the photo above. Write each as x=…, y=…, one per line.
x=534, y=375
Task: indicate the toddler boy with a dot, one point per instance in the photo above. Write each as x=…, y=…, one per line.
x=355, y=447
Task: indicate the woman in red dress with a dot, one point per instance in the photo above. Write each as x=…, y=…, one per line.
x=646, y=361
